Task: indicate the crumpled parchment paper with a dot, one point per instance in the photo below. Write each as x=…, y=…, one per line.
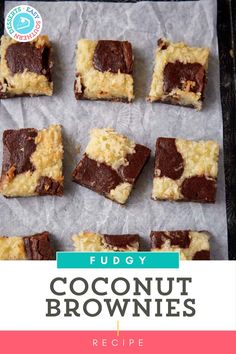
x=81, y=209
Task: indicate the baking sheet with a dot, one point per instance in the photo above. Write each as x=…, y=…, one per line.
x=80, y=209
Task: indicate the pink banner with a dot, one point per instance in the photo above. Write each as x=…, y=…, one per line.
x=89, y=342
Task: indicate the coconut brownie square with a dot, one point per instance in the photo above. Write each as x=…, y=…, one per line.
x=180, y=74
x=192, y=245
x=185, y=170
x=25, y=68
x=32, y=162
x=35, y=247
x=104, y=70
x=95, y=242
x=111, y=164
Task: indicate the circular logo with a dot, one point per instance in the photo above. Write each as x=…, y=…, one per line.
x=23, y=23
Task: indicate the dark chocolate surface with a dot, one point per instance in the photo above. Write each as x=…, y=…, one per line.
x=96, y=176
x=113, y=56
x=136, y=161
x=177, y=238
x=177, y=75
x=202, y=255
x=48, y=186
x=38, y=247
x=199, y=188
x=102, y=178
x=18, y=146
x=121, y=240
x=169, y=161
x=21, y=56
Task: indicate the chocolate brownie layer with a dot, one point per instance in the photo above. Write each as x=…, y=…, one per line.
x=180, y=74
x=32, y=162
x=169, y=162
x=26, y=56
x=95, y=242
x=25, y=68
x=104, y=70
x=111, y=164
x=35, y=247
x=121, y=240
x=96, y=176
x=191, y=245
x=190, y=77
x=202, y=256
x=113, y=56
x=48, y=186
x=18, y=147
x=38, y=247
x=176, y=238
x=199, y=188
x=185, y=170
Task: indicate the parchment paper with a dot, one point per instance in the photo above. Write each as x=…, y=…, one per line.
x=80, y=209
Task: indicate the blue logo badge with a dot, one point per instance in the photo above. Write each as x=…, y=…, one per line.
x=23, y=23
